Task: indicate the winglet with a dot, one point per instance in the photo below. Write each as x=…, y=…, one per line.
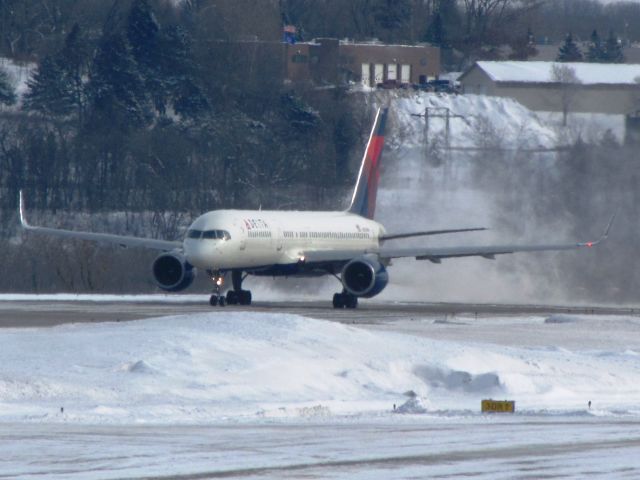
x=23, y=220
x=604, y=236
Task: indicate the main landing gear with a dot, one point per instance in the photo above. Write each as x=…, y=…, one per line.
x=237, y=296
x=345, y=300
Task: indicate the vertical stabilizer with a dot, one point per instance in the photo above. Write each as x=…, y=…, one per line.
x=363, y=201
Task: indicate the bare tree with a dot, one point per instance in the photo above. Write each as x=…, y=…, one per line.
x=495, y=22
x=568, y=83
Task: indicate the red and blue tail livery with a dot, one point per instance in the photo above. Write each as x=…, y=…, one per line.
x=363, y=202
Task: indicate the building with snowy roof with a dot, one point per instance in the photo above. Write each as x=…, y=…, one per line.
x=559, y=87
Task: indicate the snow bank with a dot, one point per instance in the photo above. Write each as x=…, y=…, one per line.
x=210, y=367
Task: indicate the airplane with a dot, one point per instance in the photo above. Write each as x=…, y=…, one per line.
x=350, y=245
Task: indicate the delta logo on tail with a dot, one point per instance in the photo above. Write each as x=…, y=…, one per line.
x=363, y=202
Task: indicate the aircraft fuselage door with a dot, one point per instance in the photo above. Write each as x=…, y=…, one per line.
x=278, y=238
x=242, y=233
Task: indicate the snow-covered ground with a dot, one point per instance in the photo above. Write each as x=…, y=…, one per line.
x=18, y=75
x=213, y=366
x=267, y=395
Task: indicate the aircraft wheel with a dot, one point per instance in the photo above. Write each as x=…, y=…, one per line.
x=245, y=297
x=351, y=301
x=232, y=297
x=222, y=301
x=213, y=300
x=338, y=300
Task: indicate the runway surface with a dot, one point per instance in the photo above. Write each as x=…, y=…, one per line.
x=43, y=313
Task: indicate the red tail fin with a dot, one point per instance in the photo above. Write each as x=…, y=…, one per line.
x=363, y=201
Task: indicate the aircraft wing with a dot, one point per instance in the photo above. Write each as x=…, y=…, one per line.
x=123, y=241
x=395, y=236
x=437, y=254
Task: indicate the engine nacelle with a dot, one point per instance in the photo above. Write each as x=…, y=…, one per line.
x=172, y=272
x=364, y=276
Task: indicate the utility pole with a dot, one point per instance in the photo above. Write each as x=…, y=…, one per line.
x=439, y=113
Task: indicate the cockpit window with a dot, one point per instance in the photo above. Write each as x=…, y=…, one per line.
x=216, y=235
x=209, y=234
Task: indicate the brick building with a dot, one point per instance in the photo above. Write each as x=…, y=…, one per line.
x=333, y=61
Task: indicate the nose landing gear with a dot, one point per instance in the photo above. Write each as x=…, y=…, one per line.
x=237, y=296
x=218, y=281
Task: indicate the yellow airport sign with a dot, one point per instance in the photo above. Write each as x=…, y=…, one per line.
x=498, y=406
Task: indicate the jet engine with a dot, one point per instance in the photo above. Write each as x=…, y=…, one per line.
x=364, y=276
x=172, y=272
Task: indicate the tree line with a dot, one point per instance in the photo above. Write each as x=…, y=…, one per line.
x=609, y=51
x=151, y=112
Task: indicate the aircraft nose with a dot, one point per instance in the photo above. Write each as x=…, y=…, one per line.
x=197, y=253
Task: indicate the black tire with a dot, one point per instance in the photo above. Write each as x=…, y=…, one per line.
x=232, y=297
x=213, y=300
x=222, y=301
x=338, y=300
x=245, y=297
x=351, y=301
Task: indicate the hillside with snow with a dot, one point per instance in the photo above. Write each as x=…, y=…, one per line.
x=497, y=173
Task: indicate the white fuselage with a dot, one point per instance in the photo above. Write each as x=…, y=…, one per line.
x=245, y=239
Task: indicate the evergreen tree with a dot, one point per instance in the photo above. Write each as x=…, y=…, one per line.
x=7, y=92
x=144, y=36
x=180, y=73
x=612, y=49
x=57, y=87
x=49, y=93
x=116, y=88
x=595, y=53
x=143, y=33
x=569, y=51
x=392, y=15
x=523, y=47
x=73, y=61
x=435, y=32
